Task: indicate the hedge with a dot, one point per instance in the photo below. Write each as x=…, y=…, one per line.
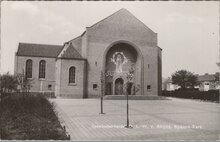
x=211, y=95
x=45, y=94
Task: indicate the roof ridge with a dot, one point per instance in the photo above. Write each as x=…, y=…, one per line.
x=107, y=17
x=140, y=21
x=73, y=39
x=39, y=44
x=207, y=75
x=33, y=49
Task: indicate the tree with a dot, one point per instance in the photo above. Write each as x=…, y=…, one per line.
x=8, y=83
x=23, y=82
x=217, y=76
x=217, y=79
x=184, y=79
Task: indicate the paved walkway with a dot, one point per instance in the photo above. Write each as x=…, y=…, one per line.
x=175, y=119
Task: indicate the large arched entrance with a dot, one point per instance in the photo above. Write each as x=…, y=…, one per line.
x=122, y=69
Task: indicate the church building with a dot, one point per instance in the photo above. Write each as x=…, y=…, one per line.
x=117, y=55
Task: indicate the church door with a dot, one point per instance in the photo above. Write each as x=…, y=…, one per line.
x=119, y=86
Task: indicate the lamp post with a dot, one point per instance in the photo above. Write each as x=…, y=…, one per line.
x=127, y=126
x=102, y=92
x=129, y=77
x=218, y=64
x=103, y=75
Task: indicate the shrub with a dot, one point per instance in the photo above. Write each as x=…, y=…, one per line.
x=8, y=83
x=29, y=117
x=211, y=95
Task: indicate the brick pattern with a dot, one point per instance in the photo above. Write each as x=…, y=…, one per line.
x=151, y=120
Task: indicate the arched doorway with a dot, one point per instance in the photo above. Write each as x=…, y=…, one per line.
x=122, y=59
x=119, y=83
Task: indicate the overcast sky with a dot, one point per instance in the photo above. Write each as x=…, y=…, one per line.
x=188, y=32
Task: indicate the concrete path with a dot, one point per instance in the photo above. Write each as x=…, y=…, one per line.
x=175, y=119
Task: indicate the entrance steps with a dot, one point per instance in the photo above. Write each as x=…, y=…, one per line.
x=134, y=97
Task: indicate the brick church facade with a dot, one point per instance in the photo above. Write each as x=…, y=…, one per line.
x=119, y=50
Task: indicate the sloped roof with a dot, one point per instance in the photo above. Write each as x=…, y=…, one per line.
x=77, y=43
x=206, y=77
x=71, y=53
x=122, y=13
x=38, y=50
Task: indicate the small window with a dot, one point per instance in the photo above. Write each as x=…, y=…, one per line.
x=148, y=66
x=72, y=73
x=148, y=87
x=28, y=70
x=49, y=87
x=206, y=83
x=95, y=86
x=42, y=68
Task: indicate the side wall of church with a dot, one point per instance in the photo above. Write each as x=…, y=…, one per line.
x=150, y=70
x=38, y=84
x=58, y=77
x=63, y=87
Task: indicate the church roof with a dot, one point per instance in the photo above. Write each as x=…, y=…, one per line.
x=121, y=14
x=38, y=50
x=206, y=77
x=70, y=53
x=77, y=43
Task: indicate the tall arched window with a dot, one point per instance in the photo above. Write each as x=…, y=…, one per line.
x=28, y=70
x=72, y=75
x=42, y=68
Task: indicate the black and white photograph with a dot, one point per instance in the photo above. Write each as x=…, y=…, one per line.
x=110, y=70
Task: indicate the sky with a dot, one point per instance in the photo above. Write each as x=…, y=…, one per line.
x=188, y=32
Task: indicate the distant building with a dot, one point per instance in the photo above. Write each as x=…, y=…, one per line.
x=120, y=46
x=169, y=86
x=208, y=82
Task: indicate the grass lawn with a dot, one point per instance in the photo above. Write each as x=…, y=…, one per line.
x=29, y=118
